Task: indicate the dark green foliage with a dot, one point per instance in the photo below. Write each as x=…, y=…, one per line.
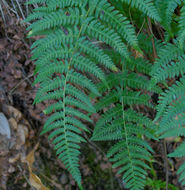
x=126, y=126
x=93, y=49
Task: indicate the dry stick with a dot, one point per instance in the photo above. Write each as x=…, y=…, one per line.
x=1, y=10
x=25, y=177
x=15, y=9
x=95, y=147
x=160, y=32
x=111, y=179
x=27, y=10
x=151, y=33
x=20, y=9
x=141, y=28
x=13, y=89
x=166, y=163
x=6, y=6
x=59, y=186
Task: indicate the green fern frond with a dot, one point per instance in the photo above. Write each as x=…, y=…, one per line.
x=36, y=1
x=145, y=43
x=181, y=172
x=125, y=126
x=117, y=21
x=132, y=80
x=53, y=5
x=109, y=36
x=88, y=49
x=174, y=92
x=169, y=52
x=171, y=107
x=145, y=6
x=62, y=55
x=166, y=11
x=56, y=19
x=181, y=32
x=170, y=70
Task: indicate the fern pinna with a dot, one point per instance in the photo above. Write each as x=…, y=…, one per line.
x=89, y=49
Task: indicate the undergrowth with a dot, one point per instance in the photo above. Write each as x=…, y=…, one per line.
x=110, y=58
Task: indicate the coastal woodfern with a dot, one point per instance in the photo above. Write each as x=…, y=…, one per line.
x=118, y=54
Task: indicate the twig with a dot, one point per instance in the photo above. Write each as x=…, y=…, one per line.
x=141, y=27
x=166, y=164
x=151, y=33
x=15, y=9
x=12, y=90
x=20, y=9
x=94, y=146
x=25, y=74
x=1, y=10
x=25, y=177
x=111, y=179
x=59, y=186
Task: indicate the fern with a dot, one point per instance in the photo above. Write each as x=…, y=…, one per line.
x=181, y=33
x=166, y=11
x=145, y=6
x=126, y=126
x=94, y=49
x=60, y=61
x=171, y=105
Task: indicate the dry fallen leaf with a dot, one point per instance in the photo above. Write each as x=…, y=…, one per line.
x=13, y=123
x=34, y=179
x=22, y=134
x=13, y=112
x=14, y=158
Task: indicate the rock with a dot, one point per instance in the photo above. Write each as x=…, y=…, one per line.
x=4, y=126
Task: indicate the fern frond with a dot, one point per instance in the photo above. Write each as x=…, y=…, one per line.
x=145, y=6
x=174, y=92
x=125, y=126
x=36, y=1
x=169, y=52
x=181, y=32
x=117, y=21
x=133, y=81
x=109, y=36
x=170, y=70
x=181, y=172
x=166, y=11
x=54, y=4
x=56, y=19
x=66, y=59
x=88, y=49
x=171, y=107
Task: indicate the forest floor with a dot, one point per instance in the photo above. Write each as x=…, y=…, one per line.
x=27, y=160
